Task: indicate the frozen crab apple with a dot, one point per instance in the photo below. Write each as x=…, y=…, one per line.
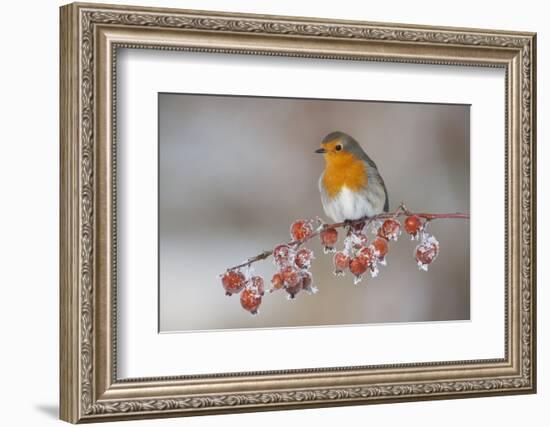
x=277, y=282
x=233, y=282
x=292, y=281
x=341, y=263
x=426, y=252
x=369, y=258
x=283, y=255
x=357, y=268
x=366, y=256
x=380, y=246
x=329, y=237
x=301, y=229
x=390, y=229
x=250, y=301
x=413, y=225
x=290, y=277
x=303, y=258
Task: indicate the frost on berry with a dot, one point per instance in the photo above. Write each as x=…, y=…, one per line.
x=303, y=258
x=390, y=229
x=250, y=301
x=368, y=257
x=376, y=226
x=283, y=255
x=329, y=237
x=426, y=252
x=413, y=226
x=357, y=268
x=348, y=244
x=341, y=263
x=359, y=240
x=277, y=282
x=233, y=282
x=290, y=277
x=300, y=229
x=373, y=268
x=292, y=282
x=256, y=284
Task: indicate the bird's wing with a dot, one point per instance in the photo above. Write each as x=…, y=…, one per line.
x=374, y=175
x=373, y=172
x=364, y=156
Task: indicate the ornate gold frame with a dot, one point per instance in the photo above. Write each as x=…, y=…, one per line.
x=90, y=36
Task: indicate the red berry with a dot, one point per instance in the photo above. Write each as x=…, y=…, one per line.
x=250, y=301
x=301, y=229
x=303, y=258
x=233, y=282
x=277, y=282
x=292, y=281
x=380, y=247
x=390, y=229
x=426, y=252
x=290, y=277
x=282, y=254
x=256, y=284
x=329, y=237
x=412, y=225
x=366, y=256
x=357, y=267
x=341, y=262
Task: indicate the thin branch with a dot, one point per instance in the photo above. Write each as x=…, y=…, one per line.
x=263, y=255
x=399, y=212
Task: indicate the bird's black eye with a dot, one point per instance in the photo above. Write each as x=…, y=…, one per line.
x=339, y=147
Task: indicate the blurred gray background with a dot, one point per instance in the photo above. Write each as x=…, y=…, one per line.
x=236, y=171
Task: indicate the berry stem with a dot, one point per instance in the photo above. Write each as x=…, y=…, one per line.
x=400, y=211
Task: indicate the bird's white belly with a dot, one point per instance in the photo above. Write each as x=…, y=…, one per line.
x=349, y=205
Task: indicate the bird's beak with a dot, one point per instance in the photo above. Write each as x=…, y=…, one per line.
x=321, y=151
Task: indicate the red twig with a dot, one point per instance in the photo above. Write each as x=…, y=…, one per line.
x=400, y=211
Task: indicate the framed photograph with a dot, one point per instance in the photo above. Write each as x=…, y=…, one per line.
x=266, y=212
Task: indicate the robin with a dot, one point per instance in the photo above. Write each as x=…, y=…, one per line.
x=351, y=186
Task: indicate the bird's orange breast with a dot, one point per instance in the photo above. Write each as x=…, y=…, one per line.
x=344, y=170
